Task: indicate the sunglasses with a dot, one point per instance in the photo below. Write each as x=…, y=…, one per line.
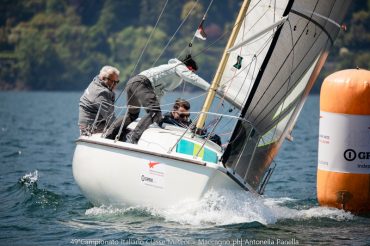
x=114, y=81
x=184, y=116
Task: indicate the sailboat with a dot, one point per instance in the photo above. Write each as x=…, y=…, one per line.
x=274, y=54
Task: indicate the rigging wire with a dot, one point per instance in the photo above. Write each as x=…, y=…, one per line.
x=203, y=19
x=213, y=43
x=167, y=43
x=146, y=45
x=178, y=28
x=150, y=37
x=199, y=53
x=223, y=34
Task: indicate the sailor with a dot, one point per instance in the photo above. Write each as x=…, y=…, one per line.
x=180, y=115
x=99, y=94
x=146, y=89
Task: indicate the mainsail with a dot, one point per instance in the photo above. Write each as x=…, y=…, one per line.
x=269, y=77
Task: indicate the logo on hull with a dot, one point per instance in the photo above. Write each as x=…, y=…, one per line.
x=151, y=164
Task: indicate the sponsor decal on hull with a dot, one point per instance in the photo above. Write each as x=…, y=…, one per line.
x=153, y=175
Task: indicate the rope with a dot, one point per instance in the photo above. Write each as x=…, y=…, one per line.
x=191, y=112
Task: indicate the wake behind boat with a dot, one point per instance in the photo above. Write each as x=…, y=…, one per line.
x=273, y=57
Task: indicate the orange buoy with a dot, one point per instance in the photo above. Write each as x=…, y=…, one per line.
x=343, y=175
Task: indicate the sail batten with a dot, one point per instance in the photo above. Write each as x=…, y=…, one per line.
x=286, y=60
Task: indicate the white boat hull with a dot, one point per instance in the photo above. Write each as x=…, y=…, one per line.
x=120, y=174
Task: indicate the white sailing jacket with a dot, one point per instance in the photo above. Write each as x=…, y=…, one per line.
x=167, y=77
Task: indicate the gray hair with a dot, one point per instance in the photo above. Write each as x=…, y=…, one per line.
x=108, y=70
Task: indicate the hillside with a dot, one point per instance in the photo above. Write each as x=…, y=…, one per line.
x=61, y=44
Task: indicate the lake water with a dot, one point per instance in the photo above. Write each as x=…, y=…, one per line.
x=42, y=205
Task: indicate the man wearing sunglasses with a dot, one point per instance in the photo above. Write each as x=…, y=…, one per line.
x=180, y=115
x=146, y=89
x=99, y=94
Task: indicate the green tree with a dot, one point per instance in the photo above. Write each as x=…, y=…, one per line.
x=48, y=58
x=38, y=63
x=352, y=48
x=61, y=44
x=127, y=46
x=151, y=11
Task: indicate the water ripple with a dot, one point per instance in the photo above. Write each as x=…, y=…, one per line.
x=42, y=205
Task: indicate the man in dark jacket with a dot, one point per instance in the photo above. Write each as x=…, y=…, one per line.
x=98, y=97
x=180, y=115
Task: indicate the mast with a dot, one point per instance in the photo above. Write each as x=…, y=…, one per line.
x=221, y=67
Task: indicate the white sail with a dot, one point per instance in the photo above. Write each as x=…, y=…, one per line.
x=270, y=78
x=237, y=83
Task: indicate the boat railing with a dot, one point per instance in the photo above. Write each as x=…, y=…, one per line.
x=124, y=112
x=191, y=128
x=209, y=135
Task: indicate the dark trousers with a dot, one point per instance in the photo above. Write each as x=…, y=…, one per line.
x=139, y=93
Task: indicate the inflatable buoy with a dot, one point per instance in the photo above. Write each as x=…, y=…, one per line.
x=343, y=175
